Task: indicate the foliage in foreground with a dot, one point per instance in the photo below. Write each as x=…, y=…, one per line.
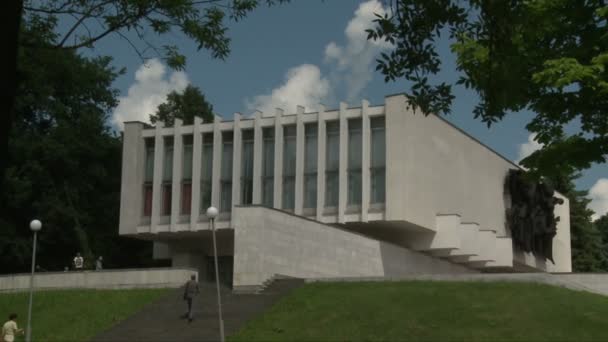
x=547, y=56
x=432, y=311
x=76, y=315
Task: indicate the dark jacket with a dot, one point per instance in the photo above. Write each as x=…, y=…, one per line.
x=191, y=289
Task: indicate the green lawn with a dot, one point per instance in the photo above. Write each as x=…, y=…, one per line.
x=74, y=315
x=436, y=311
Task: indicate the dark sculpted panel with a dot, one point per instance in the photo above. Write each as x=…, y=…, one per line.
x=530, y=217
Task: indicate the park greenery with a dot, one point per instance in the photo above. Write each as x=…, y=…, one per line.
x=431, y=311
x=76, y=315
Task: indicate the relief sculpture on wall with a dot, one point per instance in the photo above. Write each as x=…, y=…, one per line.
x=530, y=215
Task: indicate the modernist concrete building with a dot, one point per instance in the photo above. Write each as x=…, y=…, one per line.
x=365, y=191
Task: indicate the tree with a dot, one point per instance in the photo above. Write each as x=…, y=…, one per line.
x=64, y=164
x=135, y=21
x=601, y=225
x=184, y=106
x=548, y=56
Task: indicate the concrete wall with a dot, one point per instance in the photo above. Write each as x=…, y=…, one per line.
x=434, y=168
x=269, y=242
x=107, y=279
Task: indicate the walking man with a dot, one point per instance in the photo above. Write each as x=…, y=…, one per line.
x=191, y=289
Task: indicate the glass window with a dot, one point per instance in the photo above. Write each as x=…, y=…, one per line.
x=186, y=191
x=289, y=166
x=268, y=167
x=168, y=160
x=148, y=176
x=206, y=171
x=310, y=165
x=377, y=160
x=226, y=173
x=332, y=163
x=247, y=168
x=149, y=171
x=167, y=177
x=354, y=161
x=187, y=160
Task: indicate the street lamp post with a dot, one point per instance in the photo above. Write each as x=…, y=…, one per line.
x=211, y=214
x=35, y=226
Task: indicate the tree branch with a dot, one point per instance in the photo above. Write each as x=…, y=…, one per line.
x=126, y=21
x=84, y=17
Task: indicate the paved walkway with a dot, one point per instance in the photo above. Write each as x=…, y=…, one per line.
x=161, y=320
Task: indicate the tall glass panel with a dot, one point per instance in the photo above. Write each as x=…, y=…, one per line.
x=377, y=160
x=167, y=177
x=206, y=171
x=354, y=161
x=289, y=166
x=332, y=163
x=148, y=176
x=186, y=192
x=310, y=165
x=268, y=167
x=247, y=168
x=226, y=173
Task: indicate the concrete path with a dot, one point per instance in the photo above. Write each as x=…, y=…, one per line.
x=161, y=320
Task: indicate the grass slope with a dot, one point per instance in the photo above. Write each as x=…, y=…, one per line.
x=74, y=315
x=437, y=311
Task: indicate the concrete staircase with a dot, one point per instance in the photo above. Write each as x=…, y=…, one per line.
x=465, y=243
x=161, y=320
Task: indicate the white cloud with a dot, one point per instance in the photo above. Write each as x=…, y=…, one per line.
x=150, y=89
x=303, y=86
x=599, y=198
x=528, y=147
x=352, y=63
x=354, y=60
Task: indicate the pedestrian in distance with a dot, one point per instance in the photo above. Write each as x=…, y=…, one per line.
x=191, y=289
x=10, y=329
x=78, y=262
x=99, y=263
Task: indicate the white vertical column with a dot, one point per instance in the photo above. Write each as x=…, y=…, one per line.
x=299, y=191
x=278, y=159
x=342, y=178
x=217, y=158
x=177, y=173
x=197, y=147
x=365, y=156
x=236, y=161
x=258, y=141
x=159, y=152
x=321, y=138
x=132, y=176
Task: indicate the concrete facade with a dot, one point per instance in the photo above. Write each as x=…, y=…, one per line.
x=416, y=182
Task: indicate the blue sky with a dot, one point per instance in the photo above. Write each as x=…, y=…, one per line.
x=306, y=52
